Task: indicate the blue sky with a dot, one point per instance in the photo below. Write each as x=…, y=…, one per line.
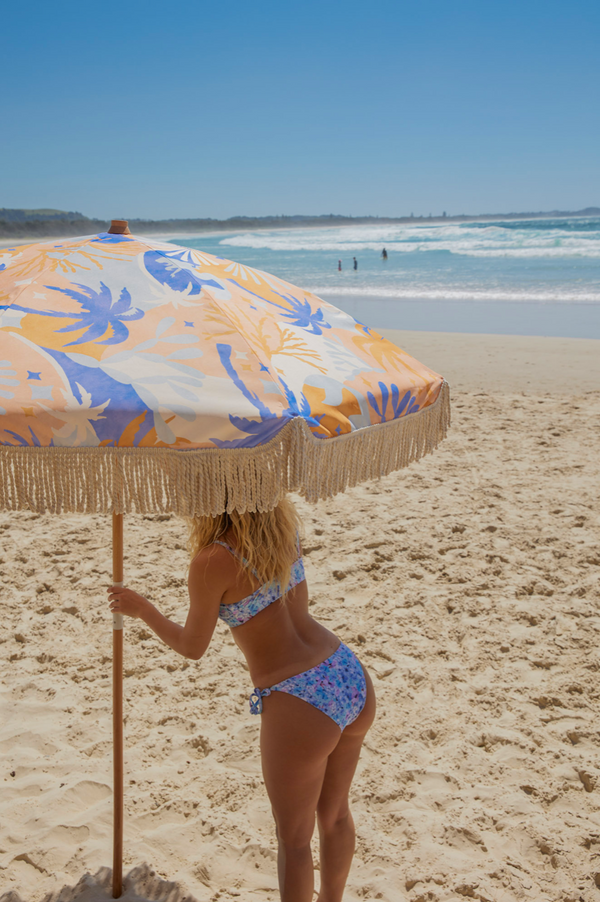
x=147, y=109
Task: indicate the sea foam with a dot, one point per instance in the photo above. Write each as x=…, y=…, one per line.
x=533, y=239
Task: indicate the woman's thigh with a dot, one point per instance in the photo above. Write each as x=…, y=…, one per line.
x=296, y=740
x=342, y=762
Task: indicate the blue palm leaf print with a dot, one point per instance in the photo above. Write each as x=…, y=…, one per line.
x=264, y=429
x=25, y=442
x=406, y=405
x=261, y=430
x=225, y=358
x=97, y=314
x=107, y=238
x=302, y=409
x=300, y=315
x=170, y=269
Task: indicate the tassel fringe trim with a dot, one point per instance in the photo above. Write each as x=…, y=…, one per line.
x=208, y=481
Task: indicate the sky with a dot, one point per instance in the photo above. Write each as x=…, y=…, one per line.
x=144, y=109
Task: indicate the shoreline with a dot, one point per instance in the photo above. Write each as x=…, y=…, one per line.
x=528, y=319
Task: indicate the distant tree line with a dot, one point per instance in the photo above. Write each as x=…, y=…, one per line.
x=49, y=228
x=57, y=223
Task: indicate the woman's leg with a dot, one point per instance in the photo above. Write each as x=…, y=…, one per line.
x=296, y=741
x=336, y=827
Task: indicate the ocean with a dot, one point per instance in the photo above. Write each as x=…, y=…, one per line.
x=526, y=277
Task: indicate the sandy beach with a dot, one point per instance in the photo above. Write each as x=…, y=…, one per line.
x=468, y=585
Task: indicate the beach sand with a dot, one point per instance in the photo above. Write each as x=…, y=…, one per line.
x=468, y=584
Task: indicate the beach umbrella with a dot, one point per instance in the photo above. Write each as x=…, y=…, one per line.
x=139, y=376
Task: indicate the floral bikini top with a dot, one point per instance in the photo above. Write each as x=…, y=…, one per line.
x=241, y=611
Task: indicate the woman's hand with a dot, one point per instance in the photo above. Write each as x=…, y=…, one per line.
x=126, y=601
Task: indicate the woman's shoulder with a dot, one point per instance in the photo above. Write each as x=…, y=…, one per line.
x=212, y=561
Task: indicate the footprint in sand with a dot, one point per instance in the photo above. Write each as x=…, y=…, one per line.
x=86, y=794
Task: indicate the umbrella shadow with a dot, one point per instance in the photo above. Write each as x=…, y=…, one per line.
x=142, y=884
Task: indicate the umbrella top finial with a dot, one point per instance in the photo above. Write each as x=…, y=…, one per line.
x=119, y=227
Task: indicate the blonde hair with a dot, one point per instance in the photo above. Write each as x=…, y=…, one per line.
x=268, y=541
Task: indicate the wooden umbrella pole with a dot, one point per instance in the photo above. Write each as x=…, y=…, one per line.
x=117, y=879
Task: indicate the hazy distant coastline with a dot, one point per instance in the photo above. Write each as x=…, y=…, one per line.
x=58, y=223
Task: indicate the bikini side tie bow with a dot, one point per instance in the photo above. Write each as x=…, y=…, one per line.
x=256, y=700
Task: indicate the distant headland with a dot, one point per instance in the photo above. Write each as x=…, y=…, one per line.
x=58, y=223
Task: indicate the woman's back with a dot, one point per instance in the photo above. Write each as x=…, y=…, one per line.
x=282, y=637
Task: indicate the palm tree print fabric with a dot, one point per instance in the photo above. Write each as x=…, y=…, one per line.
x=112, y=340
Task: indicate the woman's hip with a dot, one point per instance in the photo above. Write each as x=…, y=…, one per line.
x=337, y=687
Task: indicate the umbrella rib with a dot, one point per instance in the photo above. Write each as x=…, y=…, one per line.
x=263, y=362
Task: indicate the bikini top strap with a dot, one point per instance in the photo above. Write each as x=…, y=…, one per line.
x=236, y=554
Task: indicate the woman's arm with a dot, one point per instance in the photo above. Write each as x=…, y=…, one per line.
x=207, y=582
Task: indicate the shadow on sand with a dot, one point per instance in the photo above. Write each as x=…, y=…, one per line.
x=142, y=884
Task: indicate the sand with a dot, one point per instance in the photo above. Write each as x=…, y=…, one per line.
x=468, y=584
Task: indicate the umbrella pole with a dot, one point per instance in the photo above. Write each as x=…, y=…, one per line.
x=117, y=874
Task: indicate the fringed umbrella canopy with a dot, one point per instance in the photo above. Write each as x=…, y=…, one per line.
x=141, y=376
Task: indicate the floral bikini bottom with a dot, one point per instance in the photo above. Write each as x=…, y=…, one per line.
x=337, y=687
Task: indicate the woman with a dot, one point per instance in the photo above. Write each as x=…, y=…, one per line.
x=316, y=701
